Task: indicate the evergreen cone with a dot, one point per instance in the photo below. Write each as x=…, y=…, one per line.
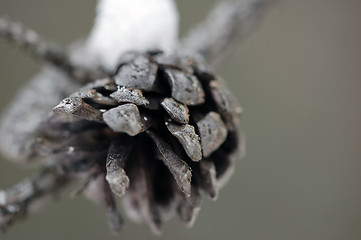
x=159, y=131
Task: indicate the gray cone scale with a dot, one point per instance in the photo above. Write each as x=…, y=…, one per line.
x=159, y=133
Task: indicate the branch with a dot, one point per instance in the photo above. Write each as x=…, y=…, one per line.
x=228, y=24
x=28, y=196
x=50, y=52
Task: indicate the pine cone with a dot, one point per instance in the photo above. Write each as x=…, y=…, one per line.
x=157, y=132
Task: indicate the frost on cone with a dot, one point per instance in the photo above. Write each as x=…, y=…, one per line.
x=162, y=129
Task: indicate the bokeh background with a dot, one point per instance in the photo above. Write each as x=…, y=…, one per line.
x=298, y=78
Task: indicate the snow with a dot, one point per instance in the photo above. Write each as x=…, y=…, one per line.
x=123, y=25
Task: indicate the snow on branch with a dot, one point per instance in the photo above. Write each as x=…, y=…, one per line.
x=124, y=25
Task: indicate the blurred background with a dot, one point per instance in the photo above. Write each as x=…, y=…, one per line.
x=298, y=78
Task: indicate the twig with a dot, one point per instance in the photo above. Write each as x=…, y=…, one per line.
x=46, y=50
x=28, y=196
x=226, y=26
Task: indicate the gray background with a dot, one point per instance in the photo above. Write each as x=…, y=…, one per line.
x=298, y=79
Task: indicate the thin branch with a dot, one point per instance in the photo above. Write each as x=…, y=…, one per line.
x=230, y=22
x=28, y=196
x=46, y=50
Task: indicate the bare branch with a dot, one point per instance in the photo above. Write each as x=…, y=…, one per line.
x=48, y=51
x=226, y=26
x=28, y=196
